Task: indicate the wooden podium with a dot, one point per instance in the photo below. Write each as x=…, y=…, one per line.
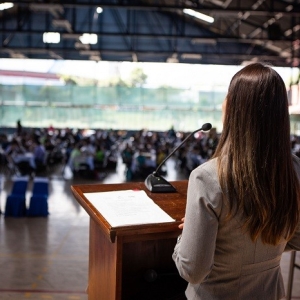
x=134, y=262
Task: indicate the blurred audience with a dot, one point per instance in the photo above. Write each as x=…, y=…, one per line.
x=93, y=152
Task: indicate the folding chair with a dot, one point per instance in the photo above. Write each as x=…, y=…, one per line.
x=38, y=206
x=16, y=200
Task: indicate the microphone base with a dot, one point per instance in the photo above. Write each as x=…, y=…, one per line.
x=157, y=184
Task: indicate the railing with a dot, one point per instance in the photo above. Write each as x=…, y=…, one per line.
x=109, y=107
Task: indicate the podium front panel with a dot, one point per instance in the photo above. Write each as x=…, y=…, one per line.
x=134, y=262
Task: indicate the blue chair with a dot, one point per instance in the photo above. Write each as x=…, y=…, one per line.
x=16, y=200
x=38, y=206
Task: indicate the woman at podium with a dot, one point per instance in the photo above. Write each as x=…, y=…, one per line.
x=242, y=208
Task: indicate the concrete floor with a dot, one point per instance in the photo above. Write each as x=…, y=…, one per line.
x=47, y=258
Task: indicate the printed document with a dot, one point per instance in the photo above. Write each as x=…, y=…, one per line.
x=128, y=207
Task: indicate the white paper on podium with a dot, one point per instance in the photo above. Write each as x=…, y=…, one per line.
x=128, y=207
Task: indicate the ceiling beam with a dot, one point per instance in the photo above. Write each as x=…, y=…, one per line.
x=221, y=39
x=209, y=54
x=164, y=6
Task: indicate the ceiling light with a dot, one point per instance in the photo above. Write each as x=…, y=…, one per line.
x=6, y=5
x=198, y=15
x=89, y=38
x=51, y=37
x=99, y=10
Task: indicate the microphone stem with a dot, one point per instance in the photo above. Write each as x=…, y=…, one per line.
x=173, y=151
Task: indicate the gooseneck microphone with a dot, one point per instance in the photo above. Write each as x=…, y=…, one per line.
x=156, y=183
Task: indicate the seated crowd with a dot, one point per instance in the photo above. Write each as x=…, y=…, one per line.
x=89, y=153
x=145, y=151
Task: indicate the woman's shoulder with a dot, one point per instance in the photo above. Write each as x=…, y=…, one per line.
x=209, y=167
x=208, y=172
x=204, y=180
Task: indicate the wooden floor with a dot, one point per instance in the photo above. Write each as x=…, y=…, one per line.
x=47, y=258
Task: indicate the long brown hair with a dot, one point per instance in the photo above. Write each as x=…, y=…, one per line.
x=255, y=164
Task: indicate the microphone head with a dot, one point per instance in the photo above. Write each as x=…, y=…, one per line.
x=206, y=127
